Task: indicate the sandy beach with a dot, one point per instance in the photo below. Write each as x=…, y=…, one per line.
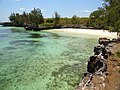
x=99, y=33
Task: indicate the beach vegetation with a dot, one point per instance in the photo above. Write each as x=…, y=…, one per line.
x=56, y=19
x=35, y=18
x=107, y=17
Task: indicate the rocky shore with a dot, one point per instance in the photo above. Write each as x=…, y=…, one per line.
x=103, y=68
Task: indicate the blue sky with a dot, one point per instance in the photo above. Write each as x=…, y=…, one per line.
x=66, y=8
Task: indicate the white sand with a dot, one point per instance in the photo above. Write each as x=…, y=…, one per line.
x=99, y=33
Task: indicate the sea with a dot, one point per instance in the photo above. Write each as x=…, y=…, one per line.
x=43, y=60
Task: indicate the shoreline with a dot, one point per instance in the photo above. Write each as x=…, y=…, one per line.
x=95, y=32
x=89, y=31
x=102, y=67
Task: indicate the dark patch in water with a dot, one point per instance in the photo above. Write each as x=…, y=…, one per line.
x=1, y=53
x=3, y=35
x=16, y=30
x=68, y=73
x=36, y=35
x=22, y=41
x=55, y=36
x=20, y=44
x=9, y=48
x=68, y=69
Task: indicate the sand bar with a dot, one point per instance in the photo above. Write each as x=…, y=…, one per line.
x=99, y=33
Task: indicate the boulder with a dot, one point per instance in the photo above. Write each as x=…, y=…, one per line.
x=96, y=63
x=98, y=49
x=104, y=41
x=91, y=67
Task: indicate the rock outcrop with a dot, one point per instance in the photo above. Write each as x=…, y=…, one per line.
x=97, y=67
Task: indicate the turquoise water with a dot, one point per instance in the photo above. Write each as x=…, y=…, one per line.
x=42, y=60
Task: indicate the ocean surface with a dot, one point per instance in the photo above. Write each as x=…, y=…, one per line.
x=42, y=60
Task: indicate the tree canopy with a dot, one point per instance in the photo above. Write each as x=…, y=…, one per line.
x=56, y=18
x=35, y=17
x=107, y=17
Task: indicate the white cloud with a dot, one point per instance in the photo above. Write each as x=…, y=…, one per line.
x=32, y=9
x=102, y=2
x=22, y=9
x=43, y=10
x=85, y=11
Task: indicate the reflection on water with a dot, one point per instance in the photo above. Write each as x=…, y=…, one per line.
x=42, y=60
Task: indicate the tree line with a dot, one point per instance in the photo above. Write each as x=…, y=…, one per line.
x=107, y=16
x=36, y=18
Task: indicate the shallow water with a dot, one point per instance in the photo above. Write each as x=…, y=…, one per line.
x=42, y=60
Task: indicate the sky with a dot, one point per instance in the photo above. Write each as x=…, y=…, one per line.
x=66, y=8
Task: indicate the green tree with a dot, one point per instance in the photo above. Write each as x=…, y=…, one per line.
x=97, y=18
x=49, y=20
x=112, y=15
x=75, y=20
x=56, y=19
x=107, y=17
x=36, y=17
x=25, y=18
x=12, y=17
